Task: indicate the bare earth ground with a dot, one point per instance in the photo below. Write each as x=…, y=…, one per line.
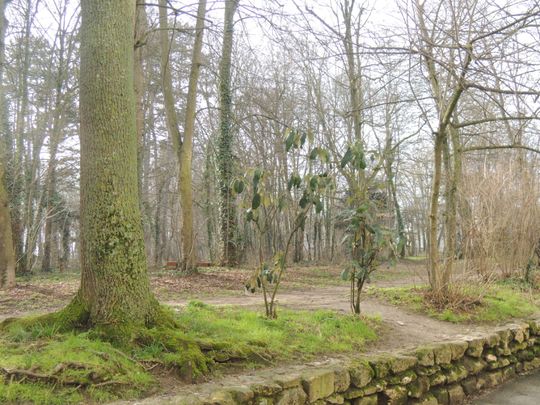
x=315, y=287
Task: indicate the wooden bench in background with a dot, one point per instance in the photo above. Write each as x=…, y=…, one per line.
x=173, y=265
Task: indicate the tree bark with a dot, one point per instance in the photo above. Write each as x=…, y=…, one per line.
x=115, y=291
x=7, y=254
x=228, y=221
x=185, y=185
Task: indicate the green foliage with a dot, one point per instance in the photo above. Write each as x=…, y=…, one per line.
x=303, y=194
x=355, y=157
x=364, y=235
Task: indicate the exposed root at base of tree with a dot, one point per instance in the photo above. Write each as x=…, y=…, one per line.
x=172, y=349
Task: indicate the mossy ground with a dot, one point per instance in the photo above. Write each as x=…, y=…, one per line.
x=473, y=303
x=40, y=363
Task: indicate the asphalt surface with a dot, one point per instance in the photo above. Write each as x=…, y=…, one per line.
x=520, y=391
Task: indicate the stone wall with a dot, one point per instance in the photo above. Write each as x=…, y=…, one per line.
x=440, y=374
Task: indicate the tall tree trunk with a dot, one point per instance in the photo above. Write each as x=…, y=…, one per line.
x=17, y=175
x=54, y=141
x=171, y=116
x=7, y=254
x=141, y=25
x=228, y=221
x=186, y=152
x=115, y=290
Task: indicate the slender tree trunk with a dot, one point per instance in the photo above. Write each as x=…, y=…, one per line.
x=433, y=249
x=229, y=252
x=115, y=291
x=185, y=185
x=66, y=242
x=7, y=254
x=141, y=26
x=54, y=141
x=17, y=175
x=171, y=116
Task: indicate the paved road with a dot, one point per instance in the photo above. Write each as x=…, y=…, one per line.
x=520, y=391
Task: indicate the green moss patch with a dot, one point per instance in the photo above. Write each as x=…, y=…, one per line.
x=42, y=363
x=493, y=303
x=65, y=369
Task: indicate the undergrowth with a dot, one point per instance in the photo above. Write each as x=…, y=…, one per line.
x=472, y=303
x=41, y=364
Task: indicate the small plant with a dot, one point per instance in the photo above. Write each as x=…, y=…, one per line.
x=364, y=234
x=303, y=195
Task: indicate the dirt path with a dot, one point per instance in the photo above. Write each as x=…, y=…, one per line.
x=401, y=328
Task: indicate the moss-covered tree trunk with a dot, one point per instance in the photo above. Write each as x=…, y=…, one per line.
x=7, y=254
x=115, y=293
x=228, y=222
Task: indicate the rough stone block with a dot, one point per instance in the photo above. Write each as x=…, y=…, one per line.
x=443, y=354
x=437, y=379
x=375, y=386
x=508, y=372
x=456, y=373
x=342, y=379
x=456, y=394
x=400, y=364
x=361, y=373
x=505, y=335
x=370, y=400
x=525, y=355
x=291, y=396
x=473, y=365
x=519, y=332
x=418, y=388
x=427, y=400
x=264, y=401
x=402, y=378
x=428, y=370
x=396, y=395
x=353, y=393
x=531, y=365
x=318, y=384
x=265, y=389
x=492, y=340
x=380, y=366
x=458, y=349
x=241, y=394
x=441, y=394
x=335, y=399
x=470, y=385
x=288, y=380
x=475, y=347
x=222, y=397
x=425, y=356
x=492, y=379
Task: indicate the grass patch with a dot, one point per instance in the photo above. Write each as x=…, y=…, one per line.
x=483, y=304
x=41, y=365
x=293, y=334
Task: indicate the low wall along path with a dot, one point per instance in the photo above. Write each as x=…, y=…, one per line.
x=443, y=373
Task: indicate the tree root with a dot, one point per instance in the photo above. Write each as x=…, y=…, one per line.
x=53, y=378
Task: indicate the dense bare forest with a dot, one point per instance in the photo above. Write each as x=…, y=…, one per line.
x=440, y=98
x=156, y=152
